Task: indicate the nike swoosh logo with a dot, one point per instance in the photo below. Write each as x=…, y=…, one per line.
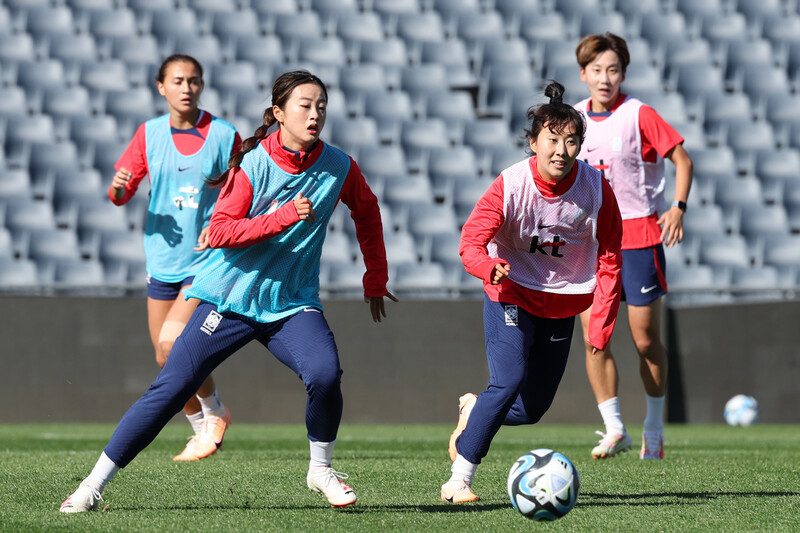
x=592, y=149
x=554, y=339
x=543, y=226
x=288, y=187
x=648, y=289
x=182, y=169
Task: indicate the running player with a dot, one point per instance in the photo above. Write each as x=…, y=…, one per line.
x=627, y=141
x=178, y=152
x=263, y=283
x=545, y=240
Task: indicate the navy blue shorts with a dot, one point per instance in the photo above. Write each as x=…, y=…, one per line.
x=161, y=290
x=643, y=275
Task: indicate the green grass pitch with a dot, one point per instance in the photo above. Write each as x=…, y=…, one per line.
x=713, y=478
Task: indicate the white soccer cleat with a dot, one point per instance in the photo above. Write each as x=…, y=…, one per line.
x=329, y=482
x=189, y=453
x=652, y=445
x=458, y=492
x=82, y=500
x=611, y=445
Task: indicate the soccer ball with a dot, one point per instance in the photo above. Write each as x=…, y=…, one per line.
x=741, y=410
x=543, y=485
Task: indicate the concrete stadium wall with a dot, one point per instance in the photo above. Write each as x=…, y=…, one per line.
x=88, y=359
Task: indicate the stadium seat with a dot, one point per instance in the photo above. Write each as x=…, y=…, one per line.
x=71, y=184
x=108, y=75
x=207, y=49
x=289, y=26
x=50, y=156
x=403, y=190
x=782, y=250
x=678, y=52
x=389, y=52
x=389, y=109
x=763, y=220
x=454, y=107
x=430, y=219
x=172, y=23
x=452, y=163
x=260, y=49
x=757, y=10
x=26, y=214
x=498, y=80
x=504, y=50
x=77, y=273
x=726, y=109
x=346, y=280
x=420, y=280
x=511, y=9
x=70, y=47
x=697, y=81
x=105, y=155
x=593, y=22
x=98, y=215
x=25, y=128
x=394, y=7
x=443, y=249
x=642, y=77
x=400, y=248
x=136, y=50
x=421, y=135
x=422, y=26
x=705, y=221
x=659, y=27
x=466, y=193
x=19, y=47
x=334, y=8
x=228, y=26
x=419, y=80
x=539, y=26
x=452, y=52
x=739, y=192
x=359, y=27
x=730, y=251
x=214, y=6
x=17, y=273
x=722, y=28
x=382, y=160
x=756, y=283
x=700, y=8
x=113, y=23
x=780, y=165
x=486, y=133
x=274, y=7
x=748, y=137
x=47, y=21
x=337, y=248
x=503, y=157
x=351, y=133
x=134, y=103
x=761, y=80
x=742, y=53
x=783, y=109
x=39, y=75
x=671, y=106
x=6, y=243
x=67, y=102
x=570, y=78
x=13, y=101
x=322, y=50
x=452, y=8
x=716, y=164
x=362, y=78
x=46, y=246
x=237, y=78
x=14, y=183
x=478, y=26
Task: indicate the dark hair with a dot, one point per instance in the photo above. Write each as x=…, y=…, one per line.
x=177, y=58
x=281, y=91
x=592, y=46
x=555, y=115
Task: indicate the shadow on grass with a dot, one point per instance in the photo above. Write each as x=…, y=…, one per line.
x=355, y=509
x=595, y=499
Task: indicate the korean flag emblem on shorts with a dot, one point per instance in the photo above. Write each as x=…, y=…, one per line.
x=212, y=321
x=512, y=315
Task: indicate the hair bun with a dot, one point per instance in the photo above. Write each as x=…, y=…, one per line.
x=555, y=91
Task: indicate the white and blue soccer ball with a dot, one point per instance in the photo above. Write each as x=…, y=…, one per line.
x=741, y=410
x=543, y=485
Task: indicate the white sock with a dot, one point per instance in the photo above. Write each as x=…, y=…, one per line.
x=462, y=470
x=196, y=420
x=103, y=471
x=212, y=405
x=321, y=454
x=654, y=421
x=612, y=418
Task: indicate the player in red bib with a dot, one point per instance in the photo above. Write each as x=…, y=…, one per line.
x=628, y=142
x=545, y=240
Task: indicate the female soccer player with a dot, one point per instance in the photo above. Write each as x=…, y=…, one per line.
x=627, y=141
x=262, y=283
x=178, y=151
x=545, y=240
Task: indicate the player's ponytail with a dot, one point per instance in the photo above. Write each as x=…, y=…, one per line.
x=555, y=115
x=281, y=91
